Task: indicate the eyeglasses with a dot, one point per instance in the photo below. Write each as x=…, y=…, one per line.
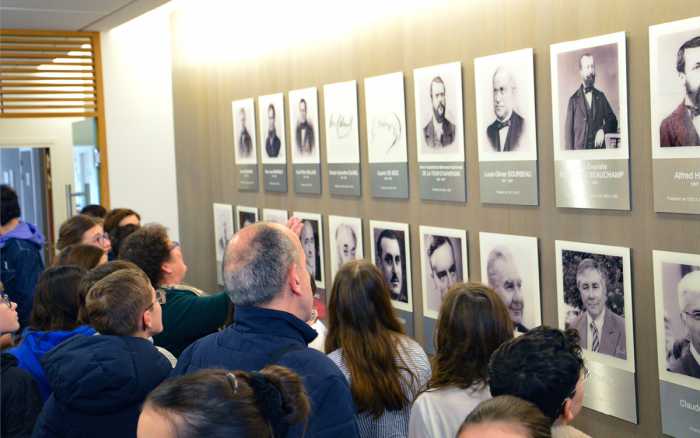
x=173, y=244
x=161, y=298
x=101, y=238
x=693, y=315
x=5, y=299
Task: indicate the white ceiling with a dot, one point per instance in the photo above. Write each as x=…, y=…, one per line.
x=72, y=15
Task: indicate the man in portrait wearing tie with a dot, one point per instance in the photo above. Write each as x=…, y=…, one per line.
x=599, y=328
x=682, y=126
x=589, y=115
x=272, y=141
x=245, y=144
x=304, y=131
x=439, y=132
x=505, y=132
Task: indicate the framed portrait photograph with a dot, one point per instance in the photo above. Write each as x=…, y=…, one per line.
x=273, y=145
x=385, y=109
x=303, y=124
x=312, y=242
x=510, y=266
x=444, y=262
x=345, y=237
x=243, y=114
x=341, y=121
x=595, y=282
x=245, y=216
x=274, y=215
x=674, y=69
x=391, y=250
x=505, y=103
x=439, y=116
x=223, y=228
x=589, y=98
x=677, y=306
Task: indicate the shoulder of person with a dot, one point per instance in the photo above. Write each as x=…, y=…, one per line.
x=183, y=288
x=566, y=431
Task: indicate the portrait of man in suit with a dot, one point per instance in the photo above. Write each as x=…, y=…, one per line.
x=245, y=144
x=589, y=115
x=682, y=126
x=505, y=132
x=504, y=278
x=272, y=141
x=439, y=132
x=687, y=361
x=443, y=265
x=346, y=244
x=390, y=260
x=599, y=328
x=309, y=241
x=304, y=131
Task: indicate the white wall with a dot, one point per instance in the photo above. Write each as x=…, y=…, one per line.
x=136, y=60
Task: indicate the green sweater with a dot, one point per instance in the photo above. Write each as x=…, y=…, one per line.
x=188, y=316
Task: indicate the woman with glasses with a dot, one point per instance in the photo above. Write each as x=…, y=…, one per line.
x=100, y=382
x=21, y=401
x=83, y=229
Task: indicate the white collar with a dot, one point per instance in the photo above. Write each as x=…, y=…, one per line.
x=599, y=320
x=695, y=353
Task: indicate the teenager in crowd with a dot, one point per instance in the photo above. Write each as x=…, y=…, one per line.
x=119, y=224
x=83, y=229
x=506, y=416
x=82, y=255
x=94, y=210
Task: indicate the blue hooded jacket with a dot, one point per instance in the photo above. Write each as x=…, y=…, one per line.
x=99, y=384
x=20, y=266
x=35, y=345
x=261, y=337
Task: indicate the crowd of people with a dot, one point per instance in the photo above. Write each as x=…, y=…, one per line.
x=110, y=341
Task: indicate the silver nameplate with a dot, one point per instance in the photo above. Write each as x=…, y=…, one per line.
x=677, y=185
x=307, y=178
x=680, y=410
x=442, y=181
x=389, y=180
x=248, y=178
x=508, y=182
x=275, y=177
x=599, y=184
x=611, y=391
x=344, y=179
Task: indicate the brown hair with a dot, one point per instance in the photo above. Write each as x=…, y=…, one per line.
x=92, y=277
x=513, y=411
x=218, y=403
x=114, y=305
x=472, y=324
x=117, y=215
x=72, y=230
x=83, y=255
x=55, y=305
x=148, y=248
x=362, y=322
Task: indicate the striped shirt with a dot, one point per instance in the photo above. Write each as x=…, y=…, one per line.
x=393, y=424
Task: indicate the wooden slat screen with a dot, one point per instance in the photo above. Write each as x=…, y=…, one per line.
x=49, y=74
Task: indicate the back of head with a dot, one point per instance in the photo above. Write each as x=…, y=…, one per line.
x=362, y=322
x=542, y=366
x=119, y=234
x=472, y=324
x=9, y=205
x=219, y=403
x=147, y=248
x=94, y=210
x=114, y=305
x=115, y=216
x=93, y=276
x=257, y=263
x=56, y=300
x=83, y=255
x=521, y=417
x=72, y=230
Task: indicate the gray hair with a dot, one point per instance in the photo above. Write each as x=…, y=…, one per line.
x=496, y=254
x=690, y=283
x=256, y=274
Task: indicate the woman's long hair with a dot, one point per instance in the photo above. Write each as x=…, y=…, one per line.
x=472, y=324
x=362, y=322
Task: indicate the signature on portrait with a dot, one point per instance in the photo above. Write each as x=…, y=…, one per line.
x=341, y=124
x=385, y=131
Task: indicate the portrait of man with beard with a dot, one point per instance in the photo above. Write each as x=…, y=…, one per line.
x=439, y=132
x=589, y=116
x=682, y=126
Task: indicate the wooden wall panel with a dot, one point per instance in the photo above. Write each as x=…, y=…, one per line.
x=460, y=31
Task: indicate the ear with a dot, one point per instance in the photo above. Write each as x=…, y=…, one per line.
x=567, y=414
x=165, y=267
x=295, y=279
x=147, y=319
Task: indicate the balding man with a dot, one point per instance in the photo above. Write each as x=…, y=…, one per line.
x=266, y=278
x=505, y=132
x=504, y=277
x=689, y=303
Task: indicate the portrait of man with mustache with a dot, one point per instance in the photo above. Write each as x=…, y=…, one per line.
x=682, y=126
x=439, y=132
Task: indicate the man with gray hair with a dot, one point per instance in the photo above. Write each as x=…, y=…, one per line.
x=689, y=304
x=505, y=132
x=265, y=277
x=505, y=279
x=345, y=244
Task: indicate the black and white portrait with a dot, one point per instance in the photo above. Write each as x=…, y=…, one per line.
x=505, y=97
x=385, y=110
x=675, y=88
x=272, y=132
x=596, y=280
x=341, y=120
x=223, y=232
x=246, y=216
x=439, y=125
x=677, y=294
x=509, y=265
x=275, y=216
x=243, y=112
x=303, y=120
x=589, y=97
x=345, y=241
x=312, y=242
x=390, y=252
x=443, y=253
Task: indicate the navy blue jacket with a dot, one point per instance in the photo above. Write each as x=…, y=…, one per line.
x=20, y=267
x=99, y=384
x=253, y=341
